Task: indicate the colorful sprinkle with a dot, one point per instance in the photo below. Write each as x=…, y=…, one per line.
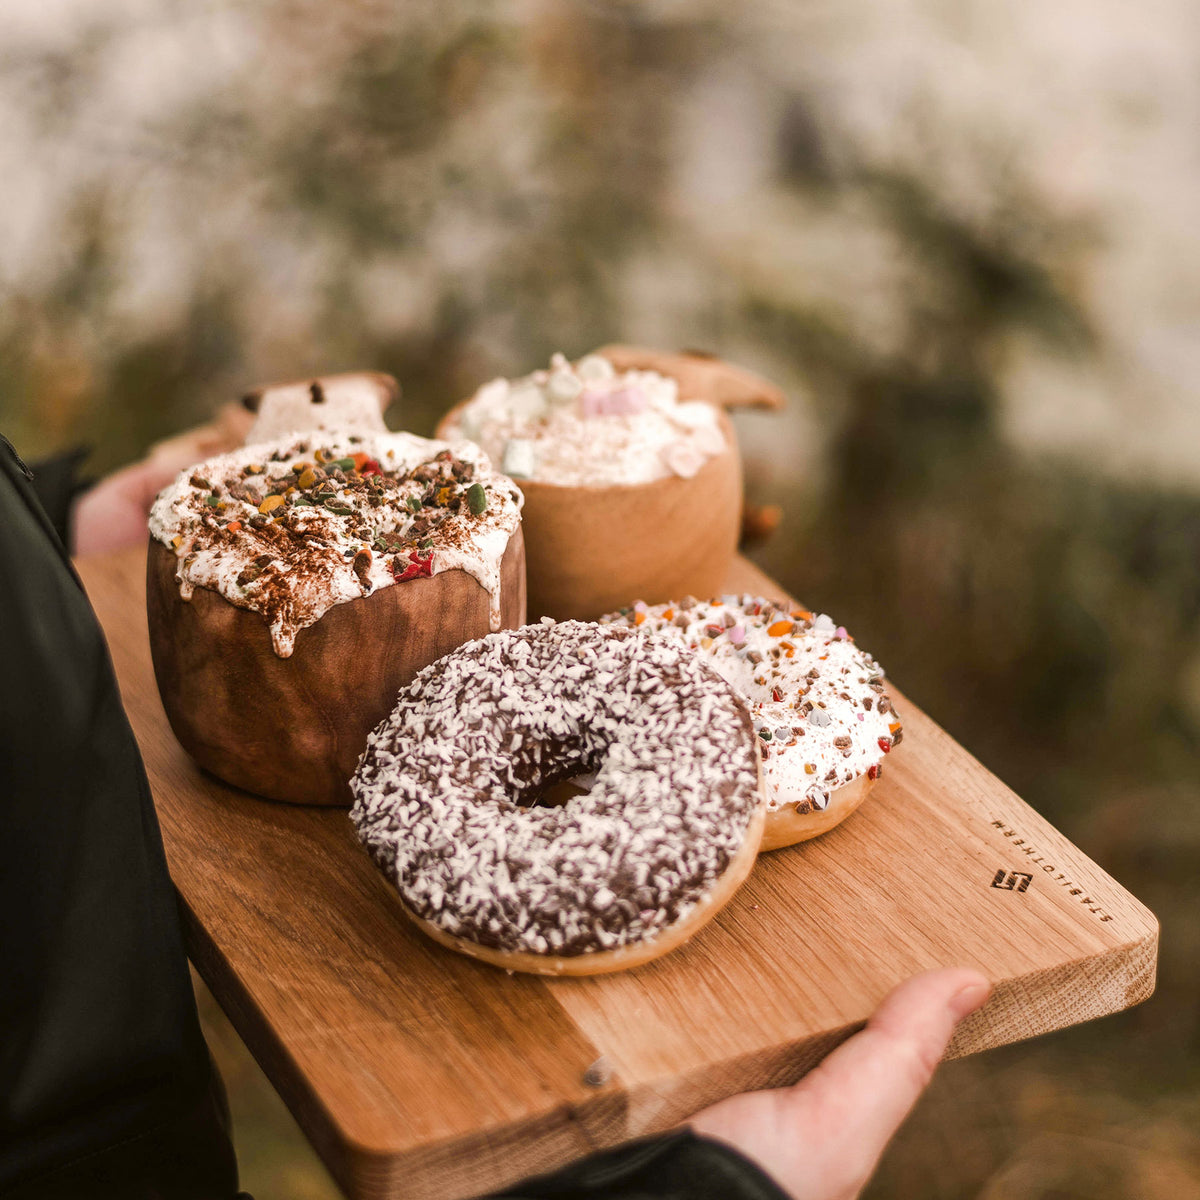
x=476, y=499
x=416, y=568
x=621, y=402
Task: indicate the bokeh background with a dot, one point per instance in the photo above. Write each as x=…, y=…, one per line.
x=963, y=234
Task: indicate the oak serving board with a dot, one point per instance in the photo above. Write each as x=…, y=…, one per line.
x=420, y=1073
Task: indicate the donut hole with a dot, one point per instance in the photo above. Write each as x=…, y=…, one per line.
x=560, y=793
x=551, y=767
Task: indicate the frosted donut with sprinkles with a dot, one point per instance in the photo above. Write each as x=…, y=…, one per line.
x=449, y=798
x=823, y=718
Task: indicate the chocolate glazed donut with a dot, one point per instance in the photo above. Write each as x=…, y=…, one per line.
x=447, y=798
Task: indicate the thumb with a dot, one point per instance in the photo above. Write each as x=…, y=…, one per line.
x=875, y=1077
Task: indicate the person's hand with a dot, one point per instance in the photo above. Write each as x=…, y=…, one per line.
x=821, y=1138
x=112, y=514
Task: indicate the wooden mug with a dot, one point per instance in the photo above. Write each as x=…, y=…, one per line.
x=292, y=729
x=594, y=549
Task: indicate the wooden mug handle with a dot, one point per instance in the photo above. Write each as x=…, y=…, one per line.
x=701, y=376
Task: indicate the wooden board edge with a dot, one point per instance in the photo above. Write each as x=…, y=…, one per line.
x=272, y=1057
x=1019, y=1009
x=471, y=1165
x=452, y=1169
x=496, y=1157
x=653, y=1106
x=1028, y=1006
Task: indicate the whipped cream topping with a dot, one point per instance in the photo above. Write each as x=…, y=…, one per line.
x=291, y=528
x=818, y=702
x=588, y=425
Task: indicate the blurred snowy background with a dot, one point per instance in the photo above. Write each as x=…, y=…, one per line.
x=963, y=234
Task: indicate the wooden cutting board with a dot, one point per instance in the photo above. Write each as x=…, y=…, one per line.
x=420, y=1073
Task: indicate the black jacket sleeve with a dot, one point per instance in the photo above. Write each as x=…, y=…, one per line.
x=679, y=1166
x=106, y=1088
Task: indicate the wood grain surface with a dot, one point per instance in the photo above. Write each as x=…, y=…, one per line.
x=422, y=1074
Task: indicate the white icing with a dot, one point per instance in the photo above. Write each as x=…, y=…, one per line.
x=303, y=580
x=803, y=759
x=589, y=425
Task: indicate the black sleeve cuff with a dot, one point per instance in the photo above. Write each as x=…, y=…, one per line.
x=676, y=1166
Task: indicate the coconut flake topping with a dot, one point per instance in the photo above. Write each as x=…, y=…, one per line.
x=440, y=789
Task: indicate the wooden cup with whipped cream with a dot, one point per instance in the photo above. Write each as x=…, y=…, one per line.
x=294, y=586
x=630, y=472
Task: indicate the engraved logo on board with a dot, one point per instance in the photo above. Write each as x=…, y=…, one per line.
x=1012, y=881
x=1016, y=881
